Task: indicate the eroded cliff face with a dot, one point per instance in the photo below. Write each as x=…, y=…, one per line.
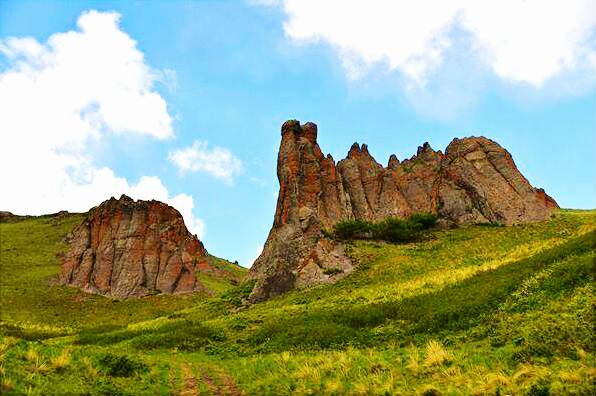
x=475, y=181
x=126, y=248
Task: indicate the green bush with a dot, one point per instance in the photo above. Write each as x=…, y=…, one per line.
x=119, y=366
x=391, y=229
x=491, y=224
x=396, y=230
x=539, y=390
x=426, y=220
x=352, y=229
x=332, y=271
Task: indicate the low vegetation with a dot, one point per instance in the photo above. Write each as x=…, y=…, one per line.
x=475, y=310
x=391, y=229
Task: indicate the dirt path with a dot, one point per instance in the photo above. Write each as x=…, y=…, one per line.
x=231, y=387
x=190, y=387
x=211, y=384
x=217, y=381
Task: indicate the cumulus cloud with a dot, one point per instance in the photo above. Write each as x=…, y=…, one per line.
x=152, y=188
x=56, y=97
x=258, y=251
x=524, y=41
x=218, y=162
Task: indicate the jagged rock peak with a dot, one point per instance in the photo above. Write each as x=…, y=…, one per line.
x=358, y=150
x=290, y=126
x=124, y=199
x=426, y=153
x=475, y=181
x=354, y=150
x=308, y=130
x=126, y=248
x=393, y=162
x=424, y=149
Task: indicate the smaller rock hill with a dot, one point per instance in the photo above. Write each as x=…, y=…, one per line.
x=474, y=181
x=126, y=248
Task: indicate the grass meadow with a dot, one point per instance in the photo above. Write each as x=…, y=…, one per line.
x=478, y=310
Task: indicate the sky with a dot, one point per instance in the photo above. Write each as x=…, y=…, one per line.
x=182, y=101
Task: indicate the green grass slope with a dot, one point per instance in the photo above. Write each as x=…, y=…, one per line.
x=475, y=310
x=31, y=297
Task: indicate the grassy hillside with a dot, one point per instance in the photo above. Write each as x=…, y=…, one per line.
x=476, y=310
x=31, y=296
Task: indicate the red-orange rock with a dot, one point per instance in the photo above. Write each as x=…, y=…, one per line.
x=126, y=248
x=475, y=180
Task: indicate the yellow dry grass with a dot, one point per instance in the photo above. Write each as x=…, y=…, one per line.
x=61, y=361
x=436, y=354
x=32, y=355
x=413, y=359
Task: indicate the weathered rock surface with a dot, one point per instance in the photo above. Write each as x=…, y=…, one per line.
x=475, y=181
x=126, y=248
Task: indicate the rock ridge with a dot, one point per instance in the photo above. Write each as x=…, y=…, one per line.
x=474, y=181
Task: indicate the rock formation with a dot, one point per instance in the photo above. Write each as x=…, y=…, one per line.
x=125, y=249
x=475, y=181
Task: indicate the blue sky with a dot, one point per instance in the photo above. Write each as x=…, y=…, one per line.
x=227, y=74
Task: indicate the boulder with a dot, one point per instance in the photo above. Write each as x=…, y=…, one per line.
x=126, y=248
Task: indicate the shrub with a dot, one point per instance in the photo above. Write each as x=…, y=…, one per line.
x=391, y=229
x=539, y=390
x=396, y=230
x=353, y=229
x=332, y=271
x=491, y=224
x=426, y=220
x=119, y=366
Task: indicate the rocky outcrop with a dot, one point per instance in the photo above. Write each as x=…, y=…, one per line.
x=126, y=248
x=8, y=217
x=475, y=181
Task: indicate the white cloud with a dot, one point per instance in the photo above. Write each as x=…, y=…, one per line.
x=56, y=97
x=527, y=41
x=150, y=187
x=218, y=162
x=258, y=252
